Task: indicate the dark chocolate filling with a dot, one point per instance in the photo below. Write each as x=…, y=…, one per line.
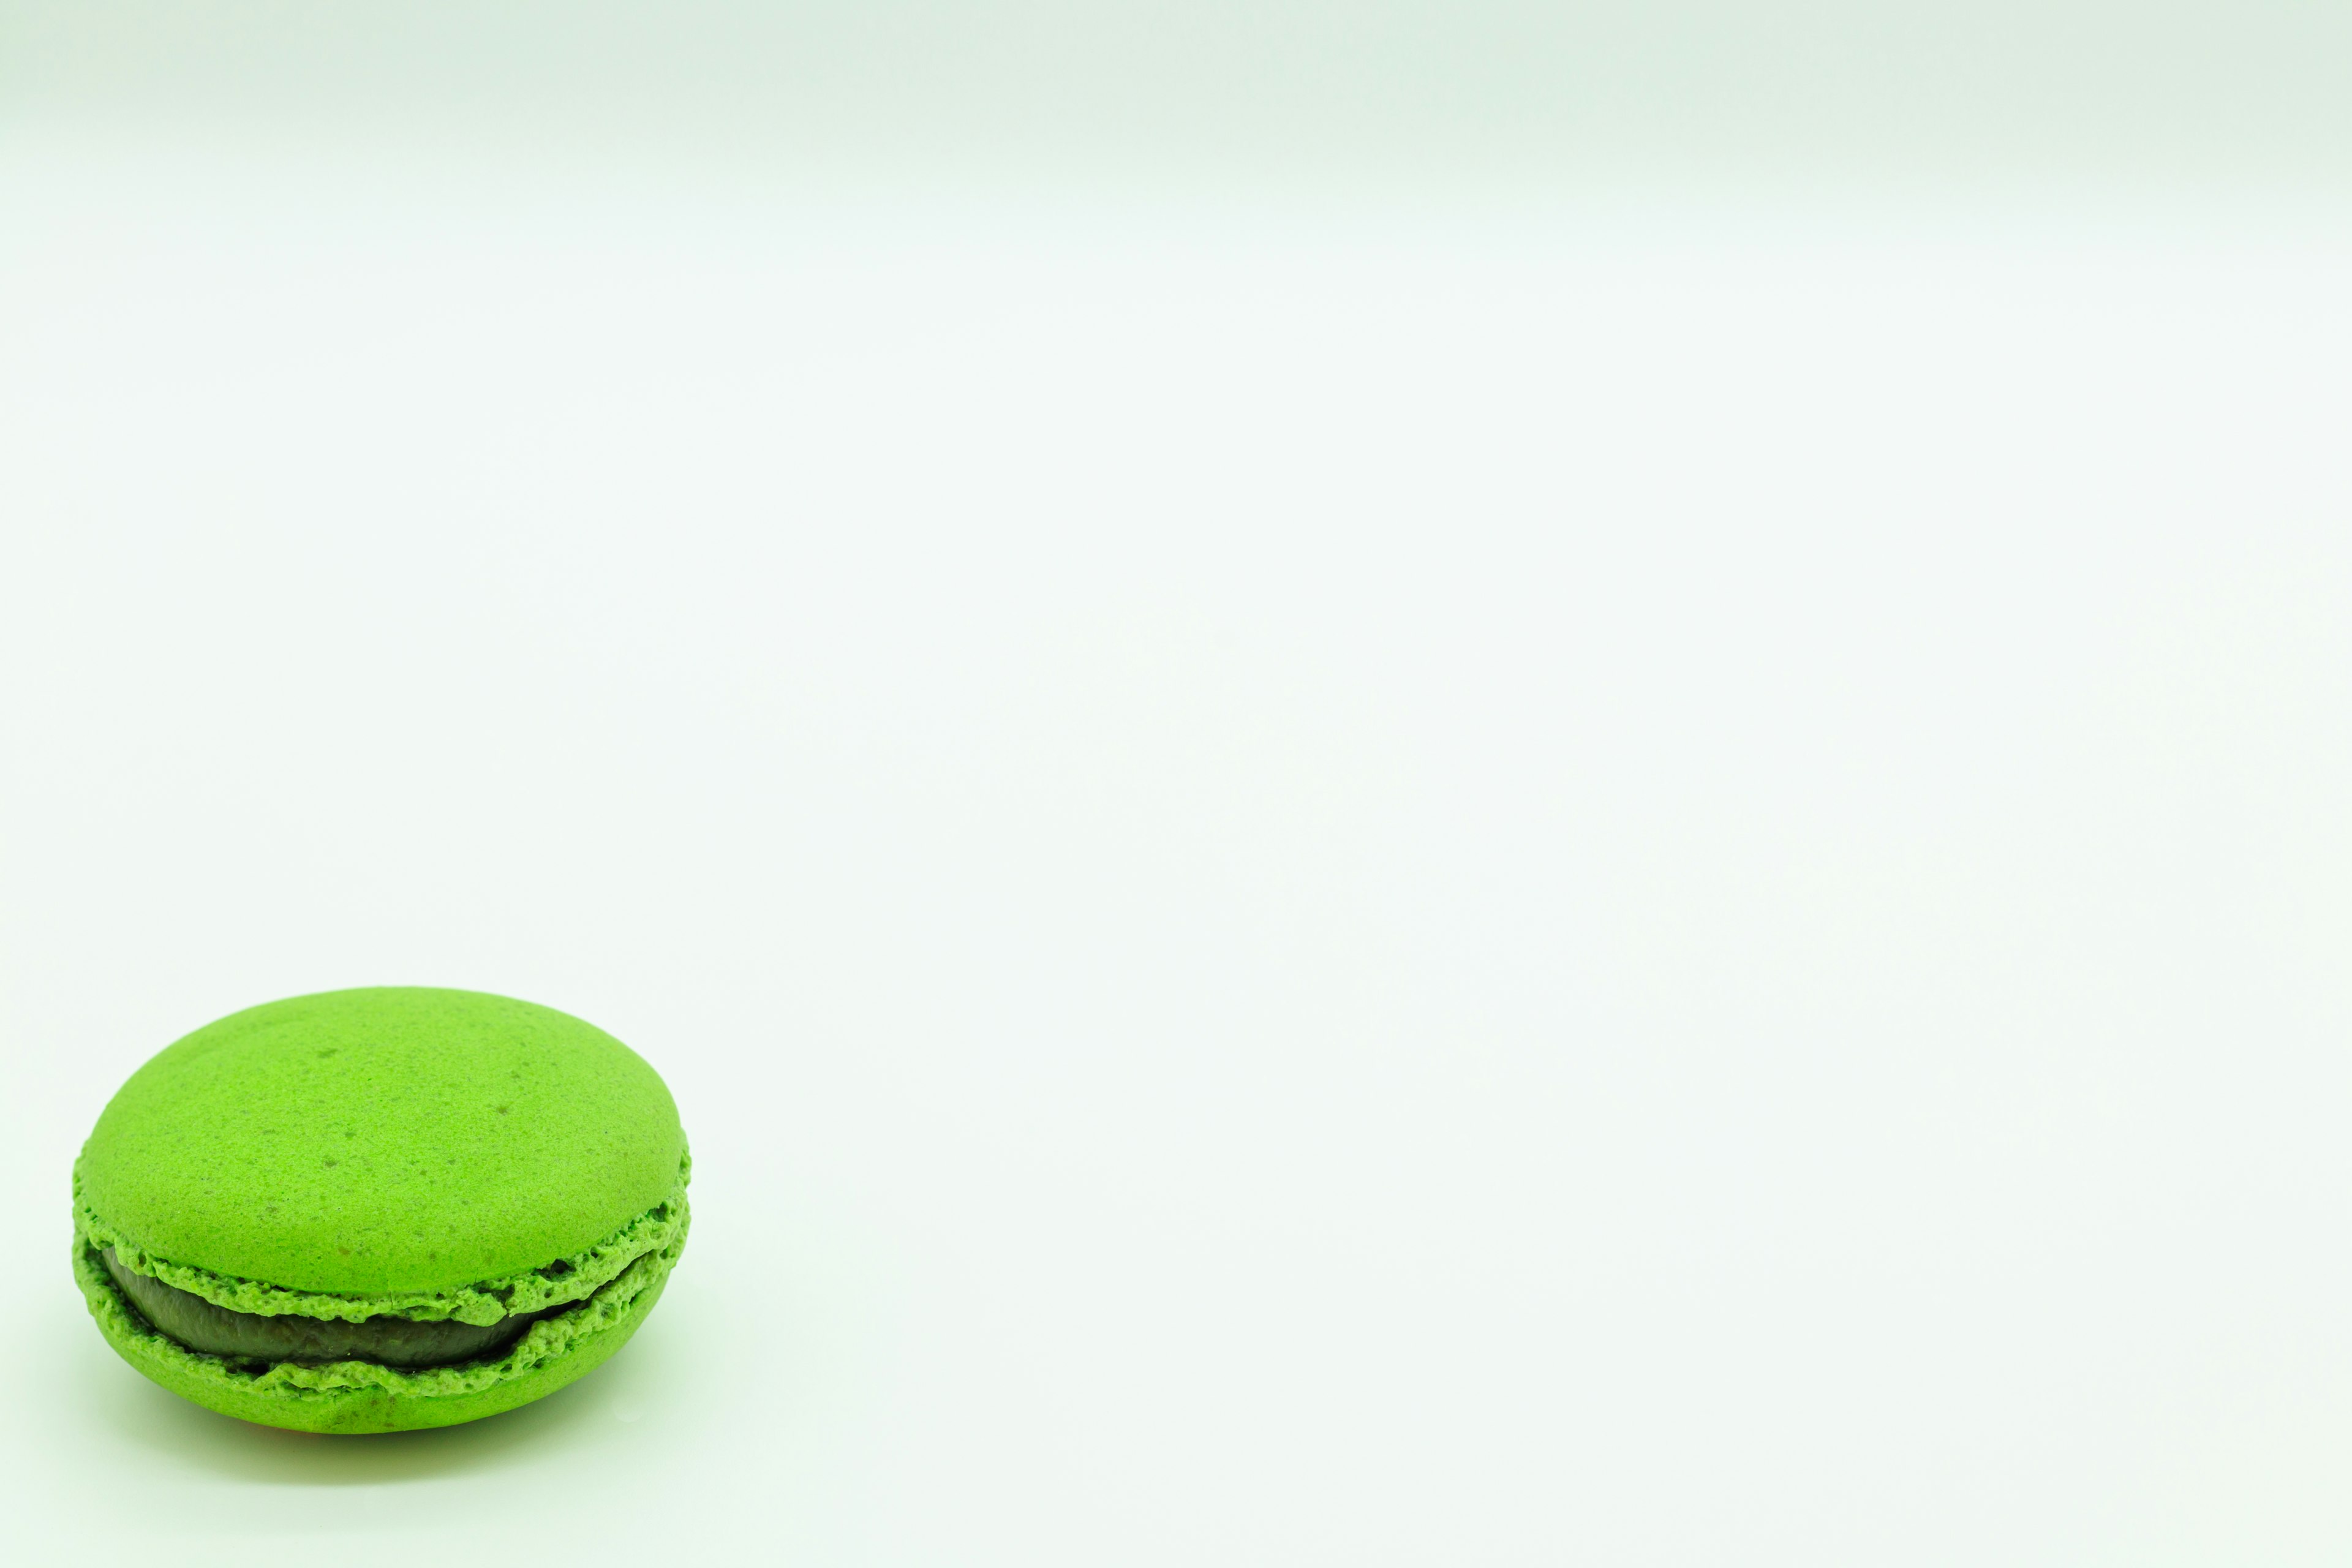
x=200, y=1325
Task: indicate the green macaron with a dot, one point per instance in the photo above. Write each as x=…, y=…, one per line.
x=376, y=1210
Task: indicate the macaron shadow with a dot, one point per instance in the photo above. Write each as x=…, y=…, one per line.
x=596, y=1411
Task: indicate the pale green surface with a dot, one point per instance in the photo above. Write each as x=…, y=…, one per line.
x=1233, y=90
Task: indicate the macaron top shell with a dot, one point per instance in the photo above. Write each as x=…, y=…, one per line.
x=387, y=1140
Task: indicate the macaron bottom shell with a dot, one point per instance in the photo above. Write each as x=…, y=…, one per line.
x=391, y=1402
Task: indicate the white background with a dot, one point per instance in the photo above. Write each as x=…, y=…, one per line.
x=1638, y=882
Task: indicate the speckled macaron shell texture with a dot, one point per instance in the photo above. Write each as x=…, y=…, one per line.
x=395, y=1140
